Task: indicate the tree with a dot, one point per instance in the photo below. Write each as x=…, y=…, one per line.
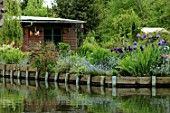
x=86, y=10
x=34, y=8
x=11, y=30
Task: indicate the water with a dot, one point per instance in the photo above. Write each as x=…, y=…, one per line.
x=35, y=97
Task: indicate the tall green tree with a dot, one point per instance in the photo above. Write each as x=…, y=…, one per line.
x=11, y=30
x=35, y=8
x=86, y=10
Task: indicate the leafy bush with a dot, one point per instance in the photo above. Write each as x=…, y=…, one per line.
x=64, y=49
x=11, y=55
x=140, y=63
x=45, y=58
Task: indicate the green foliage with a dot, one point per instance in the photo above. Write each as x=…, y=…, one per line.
x=87, y=10
x=64, y=49
x=34, y=8
x=140, y=63
x=11, y=30
x=45, y=59
x=11, y=55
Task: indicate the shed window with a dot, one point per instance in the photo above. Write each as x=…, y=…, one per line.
x=52, y=35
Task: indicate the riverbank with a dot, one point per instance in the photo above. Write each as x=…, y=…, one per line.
x=27, y=72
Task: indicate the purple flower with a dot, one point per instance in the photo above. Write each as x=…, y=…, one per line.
x=120, y=50
x=163, y=55
x=162, y=42
x=164, y=49
x=150, y=37
x=138, y=35
x=166, y=60
x=144, y=36
x=134, y=43
x=152, y=44
x=129, y=48
x=141, y=48
x=146, y=44
x=125, y=49
x=157, y=36
x=135, y=47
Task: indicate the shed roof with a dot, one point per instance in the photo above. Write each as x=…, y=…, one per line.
x=34, y=19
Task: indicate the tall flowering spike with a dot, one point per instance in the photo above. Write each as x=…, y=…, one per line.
x=166, y=60
x=163, y=55
x=164, y=49
x=144, y=36
x=138, y=35
x=150, y=37
x=141, y=48
x=135, y=47
x=120, y=50
x=125, y=48
x=152, y=44
x=134, y=43
x=157, y=36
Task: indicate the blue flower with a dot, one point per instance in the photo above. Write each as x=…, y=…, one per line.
x=164, y=49
x=138, y=35
x=141, y=48
x=157, y=36
x=166, y=60
x=163, y=55
x=125, y=49
x=135, y=47
x=152, y=44
x=134, y=43
x=150, y=37
x=120, y=50
x=144, y=36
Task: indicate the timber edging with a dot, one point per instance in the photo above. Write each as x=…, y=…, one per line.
x=27, y=72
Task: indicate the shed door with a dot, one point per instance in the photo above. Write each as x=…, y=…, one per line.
x=52, y=35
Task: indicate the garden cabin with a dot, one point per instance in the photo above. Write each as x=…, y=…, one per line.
x=39, y=30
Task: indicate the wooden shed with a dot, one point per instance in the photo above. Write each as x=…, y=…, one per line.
x=44, y=29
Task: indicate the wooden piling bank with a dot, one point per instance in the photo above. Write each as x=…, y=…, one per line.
x=27, y=72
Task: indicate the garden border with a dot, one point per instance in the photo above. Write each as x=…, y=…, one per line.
x=27, y=72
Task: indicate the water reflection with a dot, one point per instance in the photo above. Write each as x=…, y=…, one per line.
x=33, y=96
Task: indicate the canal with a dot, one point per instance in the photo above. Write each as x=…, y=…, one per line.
x=21, y=96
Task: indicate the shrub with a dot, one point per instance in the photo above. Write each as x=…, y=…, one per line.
x=45, y=57
x=140, y=63
x=11, y=55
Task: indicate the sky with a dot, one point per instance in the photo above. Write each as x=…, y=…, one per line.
x=48, y=2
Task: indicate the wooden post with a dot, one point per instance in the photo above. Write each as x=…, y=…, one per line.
x=27, y=74
x=19, y=82
x=114, y=91
x=27, y=83
x=56, y=77
x=77, y=80
x=66, y=78
x=89, y=80
x=3, y=80
x=19, y=72
x=89, y=89
x=36, y=75
x=66, y=85
x=113, y=81
x=102, y=80
x=46, y=84
x=56, y=85
x=11, y=74
x=153, y=91
x=46, y=76
x=36, y=83
x=153, y=81
x=102, y=90
x=3, y=71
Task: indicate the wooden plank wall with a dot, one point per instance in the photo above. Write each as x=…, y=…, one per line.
x=70, y=37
